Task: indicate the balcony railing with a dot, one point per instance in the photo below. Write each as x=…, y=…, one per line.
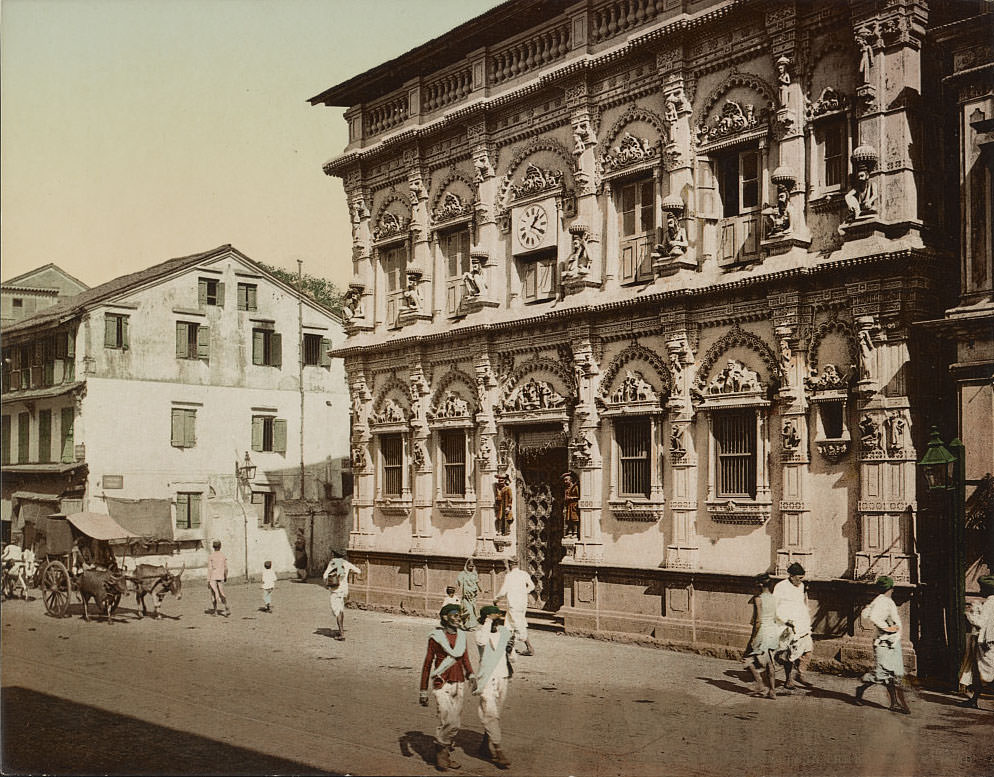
x=621, y=16
x=527, y=55
x=446, y=90
x=387, y=115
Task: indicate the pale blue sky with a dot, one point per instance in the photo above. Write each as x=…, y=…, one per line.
x=134, y=131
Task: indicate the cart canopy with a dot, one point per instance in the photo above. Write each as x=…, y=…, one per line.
x=99, y=527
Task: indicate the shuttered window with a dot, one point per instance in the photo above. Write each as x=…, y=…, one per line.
x=735, y=442
x=23, y=437
x=44, y=436
x=248, y=296
x=634, y=447
x=392, y=454
x=316, y=350
x=453, y=446
x=210, y=291
x=455, y=249
x=184, y=427
x=267, y=348
x=637, y=215
x=193, y=341
x=538, y=277
x=115, y=330
x=5, y=440
x=188, y=506
x=268, y=434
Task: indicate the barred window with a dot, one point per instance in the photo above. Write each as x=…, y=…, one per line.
x=634, y=446
x=392, y=453
x=453, y=445
x=735, y=440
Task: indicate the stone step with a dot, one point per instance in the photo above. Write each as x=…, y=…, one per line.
x=544, y=620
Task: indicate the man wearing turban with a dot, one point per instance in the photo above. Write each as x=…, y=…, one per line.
x=888, y=667
x=496, y=644
x=978, y=663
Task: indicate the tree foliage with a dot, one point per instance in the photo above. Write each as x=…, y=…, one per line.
x=320, y=289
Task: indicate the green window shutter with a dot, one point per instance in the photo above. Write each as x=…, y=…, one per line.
x=257, y=428
x=68, y=449
x=258, y=346
x=241, y=297
x=276, y=349
x=182, y=339
x=177, y=428
x=325, y=359
x=44, y=436
x=202, y=292
x=195, y=500
x=124, y=332
x=190, y=428
x=220, y=294
x=203, y=342
x=23, y=437
x=5, y=434
x=252, y=298
x=110, y=331
x=279, y=435
x=182, y=510
x=71, y=344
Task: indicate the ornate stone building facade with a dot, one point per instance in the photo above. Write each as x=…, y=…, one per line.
x=675, y=248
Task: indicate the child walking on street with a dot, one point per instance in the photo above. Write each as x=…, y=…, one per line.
x=765, y=638
x=268, y=585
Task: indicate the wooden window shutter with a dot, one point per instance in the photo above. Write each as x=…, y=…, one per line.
x=258, y=346
x=546, y=269
x=202, y=292
x=324, y=359
x=195, y=511
x=258, y=424
x=124, y=332
x=203, y=342
x=68, y=449
x=252, y=298
x=182, y=339
x=182, y=509
x=70, y=344
x=190, y=428
x=279, y=435
x=707, y=190
x=178, y=429
x=276, y=349
x=110, y=331
x=629, y=261
x=220, y=294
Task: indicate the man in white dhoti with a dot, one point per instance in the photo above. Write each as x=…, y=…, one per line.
x=793, y=612
x=888, y=669
x=336, y=578
x=496, y=644
x=515, y=589
x=979, y=661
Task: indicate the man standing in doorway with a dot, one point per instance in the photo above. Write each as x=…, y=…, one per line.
x=515, y=589
x=336, y=578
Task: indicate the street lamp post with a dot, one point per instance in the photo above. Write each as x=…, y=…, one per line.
x=945, y=470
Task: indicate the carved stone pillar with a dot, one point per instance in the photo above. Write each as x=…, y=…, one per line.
x=682, y=549
x=678, y=158
x=363, y=275
x=585, y=174
x=488, y=234
x=363, y=469
x=585, y=457
x=422, y=488
x=486, y=456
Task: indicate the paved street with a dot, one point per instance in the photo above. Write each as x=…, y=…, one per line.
x=274, y=693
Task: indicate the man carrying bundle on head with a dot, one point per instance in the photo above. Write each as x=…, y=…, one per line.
x=496, y=644
x=447, y=667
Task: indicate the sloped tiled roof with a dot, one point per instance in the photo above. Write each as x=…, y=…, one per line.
x=83, y=300
x=18, y=281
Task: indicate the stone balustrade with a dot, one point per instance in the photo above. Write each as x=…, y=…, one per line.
x=527, y=55
x=446, y=90
x=387, y=115
x=622, y=15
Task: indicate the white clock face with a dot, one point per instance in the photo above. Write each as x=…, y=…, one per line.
x=532, y=226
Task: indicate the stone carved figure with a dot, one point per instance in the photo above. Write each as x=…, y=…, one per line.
x=580, y=450
x=486, y=450
x=866, y=349
x=675, y=102
x=896, y=426
x=358, y=458
x=481, y=161
x=778, y=216
x=571, y=505
x=412, y=294
x=534, y=395
x=451, y=406
x=831, y=378
x=869, y=434
x=634, y=388
x=678, y=448
x=783, y=80
x=583, y=136
x=390, y=413
x=503, y=507
x=352, y=307
x=786, y=355
x=861, y=199
x=578, y=263
x=675, y=242
x=865, y=38
x=629, y=151
x=419, y=455
x=475, y=280
x=734, y=378
x=791, y=439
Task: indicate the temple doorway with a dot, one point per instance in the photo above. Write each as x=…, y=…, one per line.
x=541, y=460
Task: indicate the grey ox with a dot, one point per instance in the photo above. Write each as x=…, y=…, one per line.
x=157, y=581
x=104, y=587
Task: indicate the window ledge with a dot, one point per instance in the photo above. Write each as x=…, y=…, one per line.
x=833, y=449
x=186, y=535
x=744, y=512
x=455, y=507
x=641, y=510
x=394, y=506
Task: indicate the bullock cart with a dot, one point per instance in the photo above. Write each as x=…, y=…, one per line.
x=76, y=544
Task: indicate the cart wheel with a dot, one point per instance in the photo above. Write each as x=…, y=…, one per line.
x=56, y=588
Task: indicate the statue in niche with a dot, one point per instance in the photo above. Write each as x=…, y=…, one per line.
x=869, y=434
x=861, y=199
x=675, y=242
x=578, y=262
x=791, y=439
x=677, y=445
x=783, y=80
x=865, y=38
x=583, y=136
x=571, y=505
x=391, y=412
x=412, y=294
x=452, y=406
x=896, y=426
x=503, y=512
x=634, y=388
x=475, y=280
x=786, y=356
x=358, y=458
x=866, y=349
x=352, y=307
x=778, y=217
x=736, y=377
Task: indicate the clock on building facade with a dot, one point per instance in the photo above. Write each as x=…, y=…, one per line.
x=534, y=226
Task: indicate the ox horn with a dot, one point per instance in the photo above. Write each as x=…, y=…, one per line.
x=182, y=569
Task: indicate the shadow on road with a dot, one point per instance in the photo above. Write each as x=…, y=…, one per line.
x=421, y=744
x=742, y=684
x=44, y=734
